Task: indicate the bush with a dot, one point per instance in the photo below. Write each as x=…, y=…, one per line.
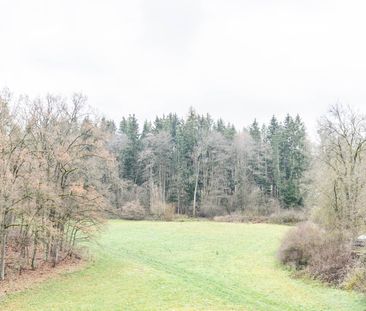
x=333, y=260
x=356, y=279
x=235, y=217
x=288, y=216
x=163, y=211
x=280, y=216
x=299, y=244
x=133, y=211
x=208, y=209
x=169, y=212
x=240, y=217
x=325, y=256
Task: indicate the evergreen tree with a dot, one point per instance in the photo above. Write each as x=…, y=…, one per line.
x=146, y=129
x=293, y=161
x=279, y=159
x=273, y=138
x=129, y=155
x=257, y=163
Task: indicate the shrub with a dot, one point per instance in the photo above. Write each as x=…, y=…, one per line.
x=235, y=217
x=332, y=261
x=163, y=211
x=325, y=256
x=169, y=212
x=288, y=216
x=240, y=217
x=133, y=211
x=208, y=209
x=299, y=244
x=356, y=279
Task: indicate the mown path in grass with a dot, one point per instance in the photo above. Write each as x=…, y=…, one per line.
x=184, y=266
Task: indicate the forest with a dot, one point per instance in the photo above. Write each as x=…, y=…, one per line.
x=205, y=167
x=66, y=171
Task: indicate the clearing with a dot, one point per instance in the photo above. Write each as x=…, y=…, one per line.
x=184, y=266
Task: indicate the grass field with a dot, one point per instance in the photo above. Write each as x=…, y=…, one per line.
x=184, y=266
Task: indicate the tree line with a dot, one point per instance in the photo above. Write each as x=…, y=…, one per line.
x=55, y=175
x=206, y=167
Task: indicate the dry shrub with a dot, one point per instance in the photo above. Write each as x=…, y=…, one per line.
x=235, y=217
x=288, y=216
x=132, y=192
x=133, y=211
x=163, y=211
x=325, y=256
x=273, y=214
x=240, y=217
x=356, y=279
x=255, y=208
x=333, y=260
x=298, y=244
x=169, y=212
x=208, y=209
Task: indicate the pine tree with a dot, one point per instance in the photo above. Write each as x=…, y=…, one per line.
x=129, y=155
x=257, y=162
x=293, y=161
x=273, y=138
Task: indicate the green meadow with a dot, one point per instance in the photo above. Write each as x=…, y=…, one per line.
x=184, y=266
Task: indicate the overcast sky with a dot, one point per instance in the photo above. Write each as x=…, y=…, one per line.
x=232, y=58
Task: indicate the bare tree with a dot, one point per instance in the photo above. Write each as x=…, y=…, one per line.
x=55, y=170
x=341, y=182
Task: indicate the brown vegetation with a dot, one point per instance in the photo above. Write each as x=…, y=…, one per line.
x=326, y=250
x=54, y=168
x=18, y=282
x=132, y=210
x=325, y=256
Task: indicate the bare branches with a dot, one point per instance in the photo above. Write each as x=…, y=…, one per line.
x=53, y=159
x=343, y=141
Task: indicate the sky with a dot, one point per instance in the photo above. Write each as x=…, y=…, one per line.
x=235, y=59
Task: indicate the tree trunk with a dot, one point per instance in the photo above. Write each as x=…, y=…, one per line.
x=2, y=254
x=196, y=188
x=35, y=244
x=55, y=253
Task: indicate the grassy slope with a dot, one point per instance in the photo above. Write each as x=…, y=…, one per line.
x=185, y=266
